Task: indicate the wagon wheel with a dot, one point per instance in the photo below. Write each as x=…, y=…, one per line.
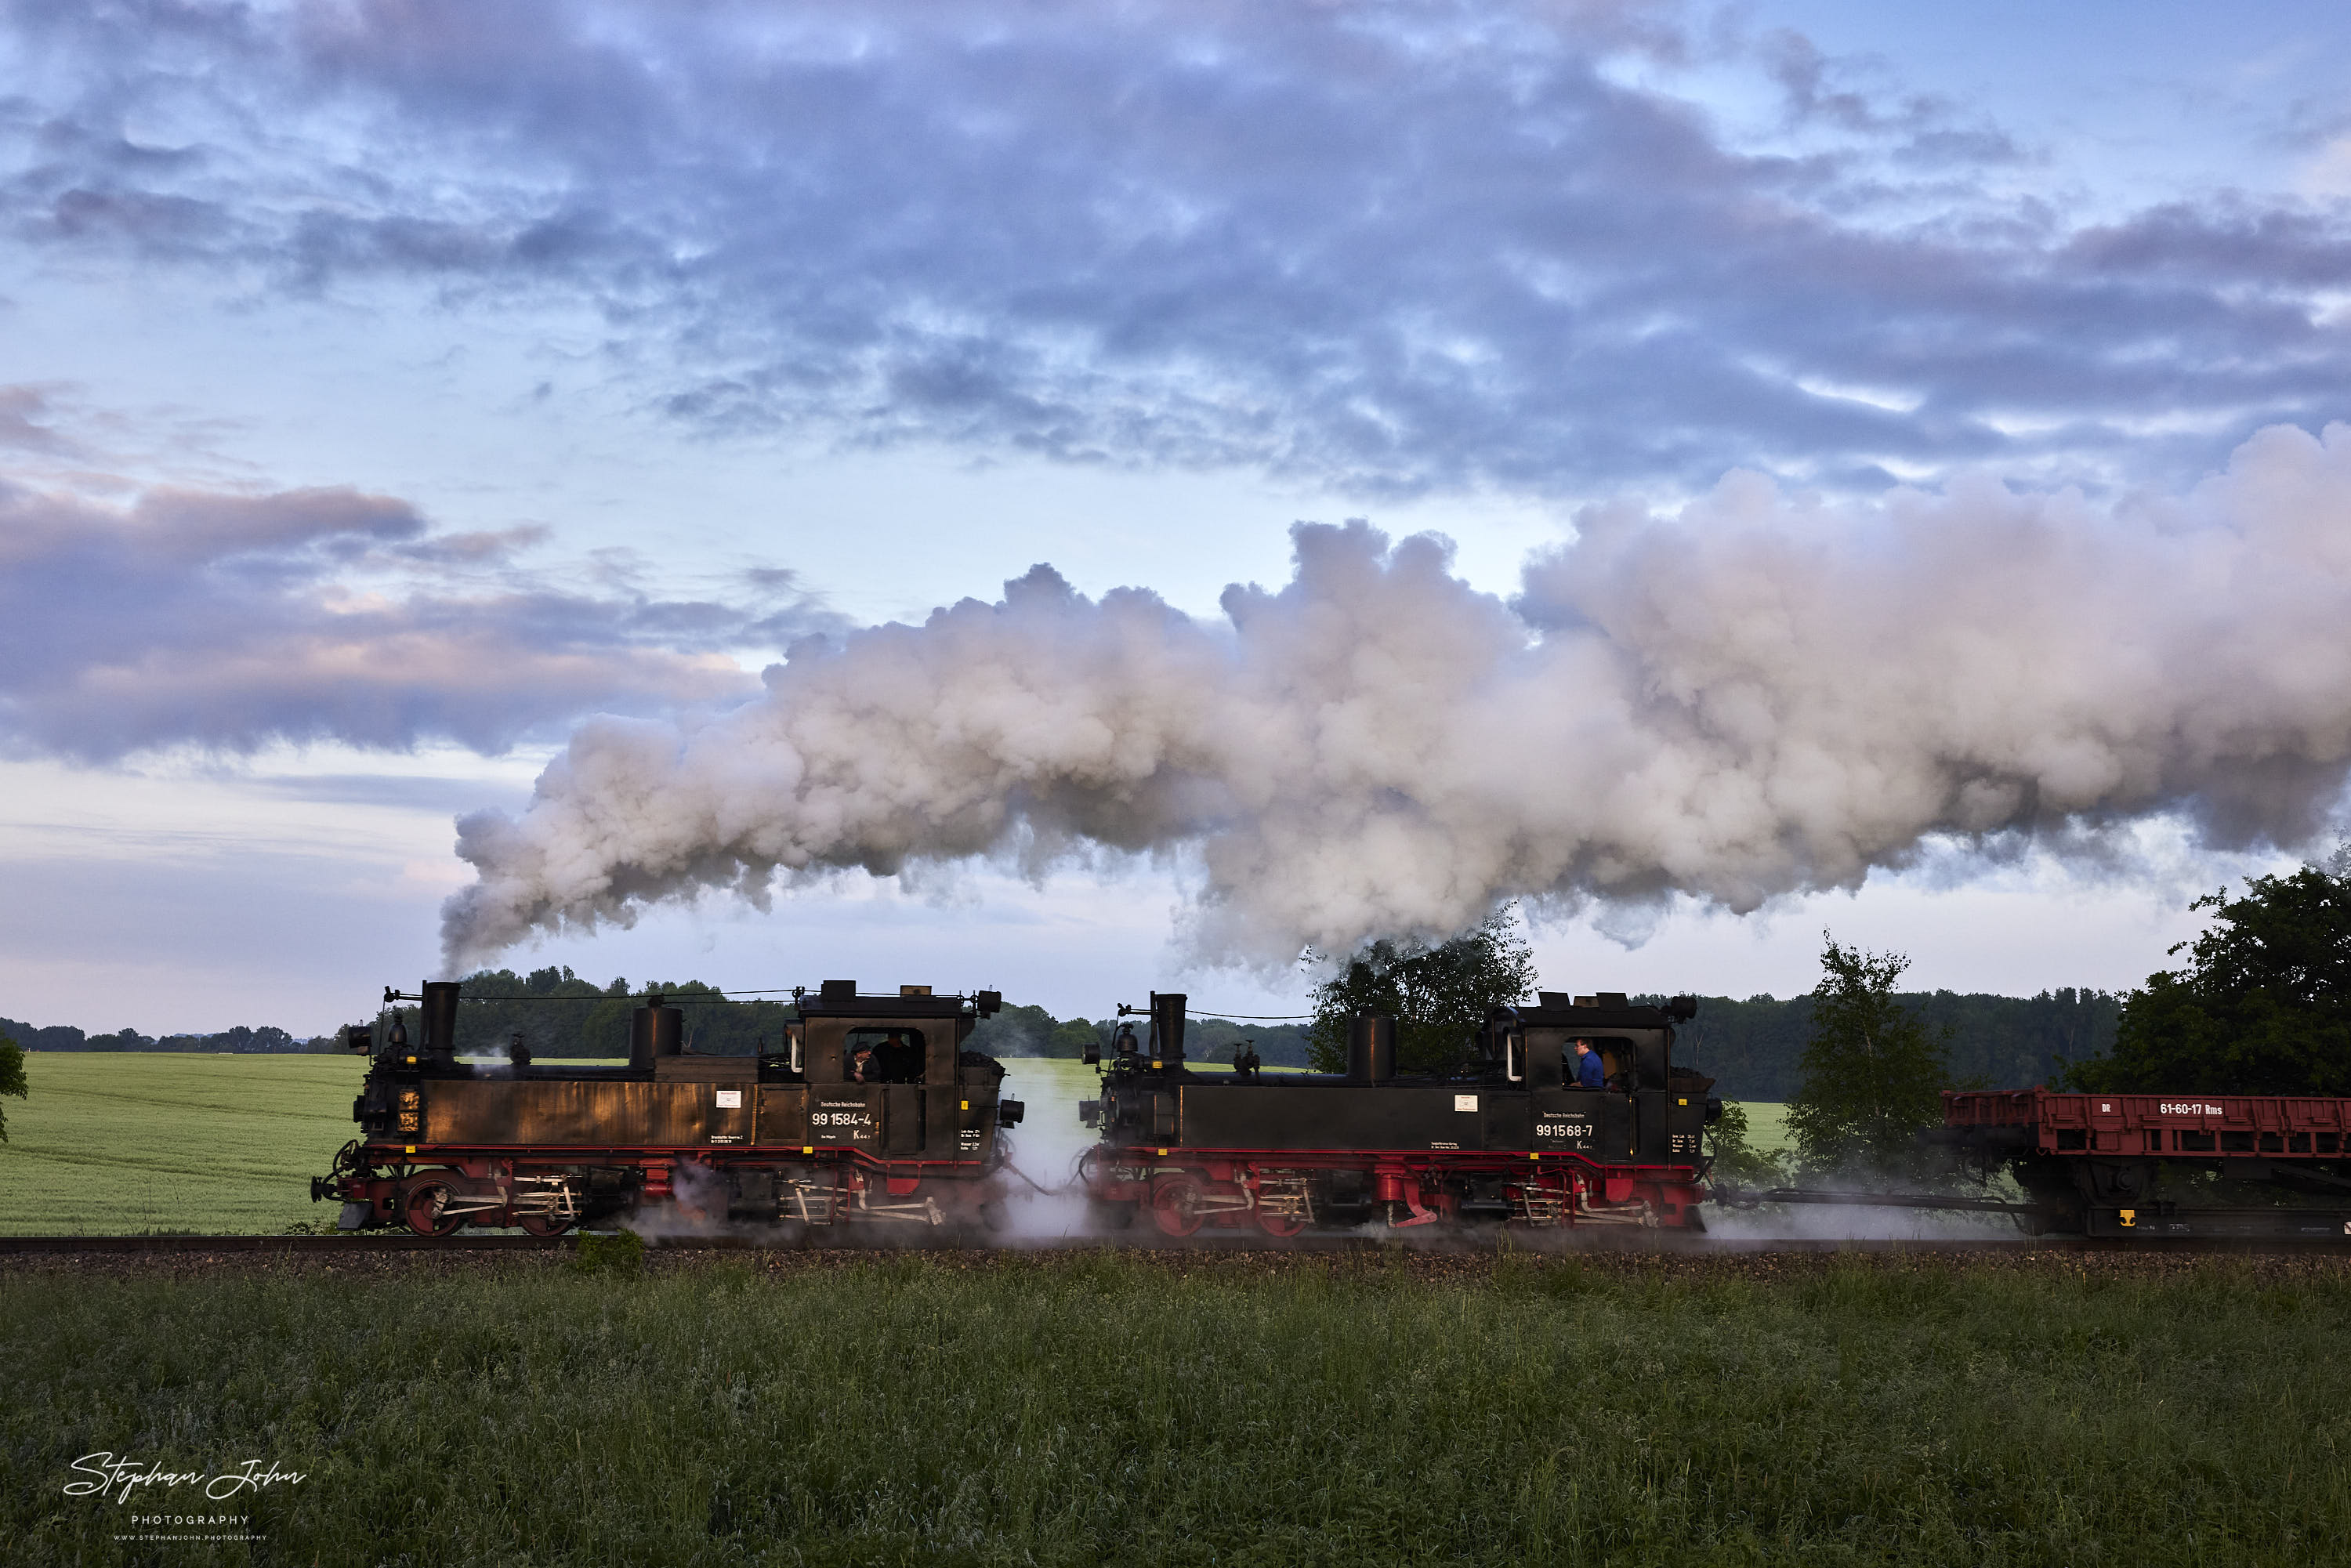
x=425, y=1206
x=1175, y=1205
x=1284, y=1226
x=544, y=1225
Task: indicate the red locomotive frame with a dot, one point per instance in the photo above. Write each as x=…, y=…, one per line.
x=1273, y=1190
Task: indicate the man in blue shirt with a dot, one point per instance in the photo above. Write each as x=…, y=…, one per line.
x=1589, y=1071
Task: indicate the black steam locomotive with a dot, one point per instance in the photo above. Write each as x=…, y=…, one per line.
x=1504, y=1135
x=870, y=1111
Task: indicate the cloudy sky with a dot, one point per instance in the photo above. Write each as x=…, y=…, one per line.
x=399, y=401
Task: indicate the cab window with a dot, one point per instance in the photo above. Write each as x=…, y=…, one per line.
x=902, y=1061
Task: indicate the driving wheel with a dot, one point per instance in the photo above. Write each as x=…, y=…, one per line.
x=1175, y=1205
x=426, y=1207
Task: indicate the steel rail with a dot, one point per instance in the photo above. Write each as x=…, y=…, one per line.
x=1607, y=1242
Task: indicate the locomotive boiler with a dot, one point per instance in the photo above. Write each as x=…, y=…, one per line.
x=1504, y=1135
x=869, y=1111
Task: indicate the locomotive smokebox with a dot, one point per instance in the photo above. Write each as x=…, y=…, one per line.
x=1371, y=1048
x=654, y=1031
x=440, y=1020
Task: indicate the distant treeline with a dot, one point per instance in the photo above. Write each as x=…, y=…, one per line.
x=1753, y=1049
x=558, y=1014
x=65, y=1037
x=1033, y=1032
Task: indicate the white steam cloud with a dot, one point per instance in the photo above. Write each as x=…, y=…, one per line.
x=1758, y=695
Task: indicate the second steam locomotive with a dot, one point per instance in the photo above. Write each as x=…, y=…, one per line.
x=1506, y=1135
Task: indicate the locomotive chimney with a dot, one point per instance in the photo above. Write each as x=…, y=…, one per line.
x=1167, y=1029
x=1371, y=1048
x=439, y=1020
x=654, y=1031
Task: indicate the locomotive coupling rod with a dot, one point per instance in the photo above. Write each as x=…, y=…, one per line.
x=1875, y=1200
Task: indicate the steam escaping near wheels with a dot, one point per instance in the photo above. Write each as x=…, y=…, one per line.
x=1759, y=694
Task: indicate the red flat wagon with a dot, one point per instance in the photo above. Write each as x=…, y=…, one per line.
x=2102, y=1159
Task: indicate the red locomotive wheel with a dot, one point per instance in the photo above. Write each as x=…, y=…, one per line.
x=1175, y=1205
x=543, y=1223
x=426, y=1206
x=1282, y=1225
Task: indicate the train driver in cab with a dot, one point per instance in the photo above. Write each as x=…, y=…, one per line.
x=1590, y=1072
x=898, y=1061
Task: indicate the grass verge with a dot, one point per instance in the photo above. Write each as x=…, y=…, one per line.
x=1096, y=1408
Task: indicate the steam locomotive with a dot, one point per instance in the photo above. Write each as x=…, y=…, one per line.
x=1503, y=1136
x=871, y=1113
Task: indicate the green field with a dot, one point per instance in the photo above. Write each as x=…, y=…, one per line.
x=1767, y=1126
x=117, y=1142
x=1244, y=1410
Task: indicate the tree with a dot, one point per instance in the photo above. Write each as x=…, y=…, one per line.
x=11, y=1077
x=1438, y=996
x=1873, y=1070
x=2262, y=1006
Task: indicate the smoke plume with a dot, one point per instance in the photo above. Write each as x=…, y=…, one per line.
x=1757, y=695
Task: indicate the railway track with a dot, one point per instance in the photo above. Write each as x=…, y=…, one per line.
x=1610, y=1242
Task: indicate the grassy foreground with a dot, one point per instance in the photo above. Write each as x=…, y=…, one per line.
x=1088, y=1408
